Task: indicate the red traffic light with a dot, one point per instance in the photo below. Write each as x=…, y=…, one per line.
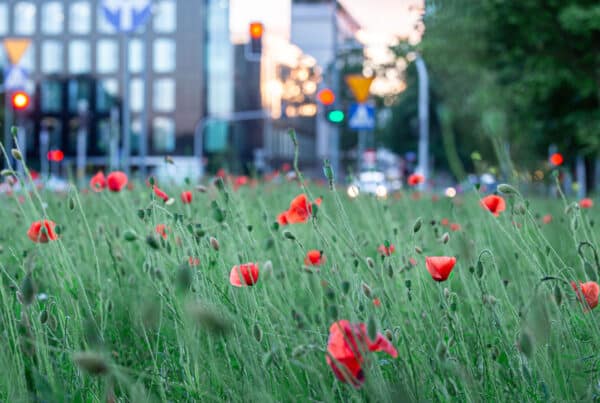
x=326, y=96
x=20, y=100
x=556, y=159
x=55, y=155
x=256, y=30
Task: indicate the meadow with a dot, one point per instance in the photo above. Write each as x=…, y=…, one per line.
x=144, y=294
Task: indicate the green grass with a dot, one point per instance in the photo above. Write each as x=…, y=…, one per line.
x=168, y=332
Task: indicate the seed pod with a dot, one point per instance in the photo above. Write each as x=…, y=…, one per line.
x=129, y=235
x=152, y=242
x=445, y=238
x=44, y=316
x=418, y=250
x=389, y=335
x=367, y=290
x=71, y=204
x=257, y=331
x=287, y=234
x=16, y=154
x=417, y=225
x=370, y=262
x=214, y=243
x=92, y=363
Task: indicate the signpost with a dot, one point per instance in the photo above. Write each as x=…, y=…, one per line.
x=15, y=80
x=127, y=16
x=361, y=114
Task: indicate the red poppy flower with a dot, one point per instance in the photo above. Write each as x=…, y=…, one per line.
x=300, y=210
x=494, y=203
x=186, y=197
x=455, y=227
x=547, y=219
x=377, y=302
x=440, y=266
x=161, y=229
x=34, y=174
x=590, y=292
x=415, y=179
x=435, y=198
x=386, y=250
x=314, y=258
x=42, y=231
x=221, y=173
x=244, y=275
x=116, y=181
x=55, y=155
x=282, y=218
x=586, y=203
x=412, y=261
x=193, y=261
x=285, y=167
x=444, y=222
x=240, y=181
x=98, y=182
x=345, y=347
x=160, y=194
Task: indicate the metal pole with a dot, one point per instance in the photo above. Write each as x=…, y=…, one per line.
x=82, y=144
x=126, y=108
x=334, y=143
x=7, y=123
x=144, y=129
x=423, y=165
x=114, y=138
x=198, y=145
x=362, y=137
x=22, y=142
x=44, y=143
x=581, y=178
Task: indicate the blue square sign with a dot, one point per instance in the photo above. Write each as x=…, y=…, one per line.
x=361, y=117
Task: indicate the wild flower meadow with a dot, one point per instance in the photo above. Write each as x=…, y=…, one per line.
x=278, y=289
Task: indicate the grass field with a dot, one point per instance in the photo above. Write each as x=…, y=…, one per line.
x=112, y=311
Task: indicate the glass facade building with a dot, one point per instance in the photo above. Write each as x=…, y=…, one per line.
x=76, y=61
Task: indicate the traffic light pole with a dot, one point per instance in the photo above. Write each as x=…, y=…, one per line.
x=334, y=140
x=126, y=109
x=7, y=122
x=423, y=165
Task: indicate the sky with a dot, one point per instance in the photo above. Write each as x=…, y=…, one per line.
x=380, y=18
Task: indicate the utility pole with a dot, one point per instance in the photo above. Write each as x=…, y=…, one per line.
x=423, y=163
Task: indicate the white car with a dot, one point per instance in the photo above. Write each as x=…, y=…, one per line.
x=373, y=182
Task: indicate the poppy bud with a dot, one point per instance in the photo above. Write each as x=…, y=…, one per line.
x=328, y=170
x=92, y=363
x=201, y=188
x=7, y=172
x=507, y=189
x=557, y=295
x=129, y=235
x=525, y=344
x=267, y=269
x=370, y=262
x=214, y=243
x=479, y=269
x=169, y=202
x=520, y=208
x=418, y=250
x=152, y=242
x=289, y=235
x=16, y=154
x=445, y=238
x=345, y=286
x=44, y=316
x=389, y=335
x=257, y=331
x=417, y=225
x=367, y=290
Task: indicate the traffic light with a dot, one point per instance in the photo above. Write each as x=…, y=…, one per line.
x=336, y=115
x=326, y=97
x=20, y=100
x=254, y=49
x=556, y=159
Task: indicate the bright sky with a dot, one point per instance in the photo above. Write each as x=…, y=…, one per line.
x=380, y=18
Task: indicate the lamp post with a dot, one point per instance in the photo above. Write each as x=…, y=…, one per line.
x=423, y=163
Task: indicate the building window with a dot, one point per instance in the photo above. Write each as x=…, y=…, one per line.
x=51, y=97
x=165, y=16
x=80, y=17
x=52, y=57
x=53, y=17
x=107, y=56
x=163, y=134
x=136, y=134
x=28, y=59
x=136, y=56
x=164, y=55
x=79, y=94
x=3, y=19
x=79, y=57
x=136, y=93
x=24, y=18
x=107, y=92
x=163, y=95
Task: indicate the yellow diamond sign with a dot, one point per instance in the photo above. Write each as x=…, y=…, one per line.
x=360, y=86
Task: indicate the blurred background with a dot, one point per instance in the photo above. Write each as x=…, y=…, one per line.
x=453, y=89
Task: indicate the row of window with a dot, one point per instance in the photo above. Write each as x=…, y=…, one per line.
x=107, y=56
x=52, y=21
x=107, y=91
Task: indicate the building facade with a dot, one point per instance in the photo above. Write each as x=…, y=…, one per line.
x=76, y=64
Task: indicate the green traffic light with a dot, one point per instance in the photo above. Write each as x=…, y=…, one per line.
x=336, y=116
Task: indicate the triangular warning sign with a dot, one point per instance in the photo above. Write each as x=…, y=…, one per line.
x=360, y=86
x=15, y=79
x=16, y=48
